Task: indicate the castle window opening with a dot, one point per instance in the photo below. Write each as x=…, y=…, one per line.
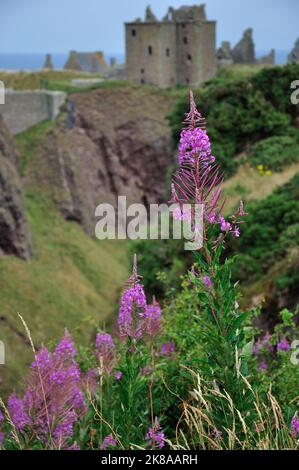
x=134, y=32
x=141, y=70
x=189, y=57
x=185, y=40
x=167, y=52
x=150, y=50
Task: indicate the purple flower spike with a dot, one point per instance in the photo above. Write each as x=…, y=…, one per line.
x=132, y=308
x=155, y=436
x=53, y=400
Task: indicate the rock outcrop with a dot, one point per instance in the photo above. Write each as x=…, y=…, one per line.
x=14, y=234
x=294, y=54
x=244, y=51
x=48, y=62
x=120, y=145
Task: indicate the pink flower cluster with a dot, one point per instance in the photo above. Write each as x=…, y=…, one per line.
x=53, y=400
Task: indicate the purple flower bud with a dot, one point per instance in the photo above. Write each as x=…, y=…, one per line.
x=207, y=281
x=118, y=375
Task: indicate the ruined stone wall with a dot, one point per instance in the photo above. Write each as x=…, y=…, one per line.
x=24, y=109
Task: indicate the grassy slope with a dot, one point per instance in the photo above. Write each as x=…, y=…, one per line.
x=71, y=281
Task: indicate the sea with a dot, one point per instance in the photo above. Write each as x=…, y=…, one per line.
x=36, y=61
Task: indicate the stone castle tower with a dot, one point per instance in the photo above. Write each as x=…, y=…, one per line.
x=180, y=49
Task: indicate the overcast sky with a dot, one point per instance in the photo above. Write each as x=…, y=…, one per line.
x=56, y=26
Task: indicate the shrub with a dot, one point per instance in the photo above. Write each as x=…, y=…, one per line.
x=241, y=112
x=274, y=153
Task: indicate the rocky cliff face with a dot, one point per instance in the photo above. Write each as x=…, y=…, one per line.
x=120, y=145
x=14, y=235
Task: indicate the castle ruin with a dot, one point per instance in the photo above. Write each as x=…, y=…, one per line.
x=92, y=62
x=243, y=52
x=180, y=49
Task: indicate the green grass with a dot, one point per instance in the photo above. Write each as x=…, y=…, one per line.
x=27, y=141
x=35, y=80
x=71, y=281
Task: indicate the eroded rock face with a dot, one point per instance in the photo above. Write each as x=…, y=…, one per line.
x=120, y=145
x=14, y=234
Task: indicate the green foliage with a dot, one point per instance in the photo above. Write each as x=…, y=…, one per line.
x=162, y=263
x=270, y=231
x=275, y=84
x=275, y=153
x=282, y=373
x=241, y=112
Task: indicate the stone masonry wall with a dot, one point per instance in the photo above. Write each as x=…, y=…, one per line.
x=24, y=109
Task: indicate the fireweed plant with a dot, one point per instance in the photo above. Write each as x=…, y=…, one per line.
x=199, y=181
x=122, y=393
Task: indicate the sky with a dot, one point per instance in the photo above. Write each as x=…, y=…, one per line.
x=57, y=26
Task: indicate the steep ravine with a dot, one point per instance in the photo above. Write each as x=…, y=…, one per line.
x=120, y=145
